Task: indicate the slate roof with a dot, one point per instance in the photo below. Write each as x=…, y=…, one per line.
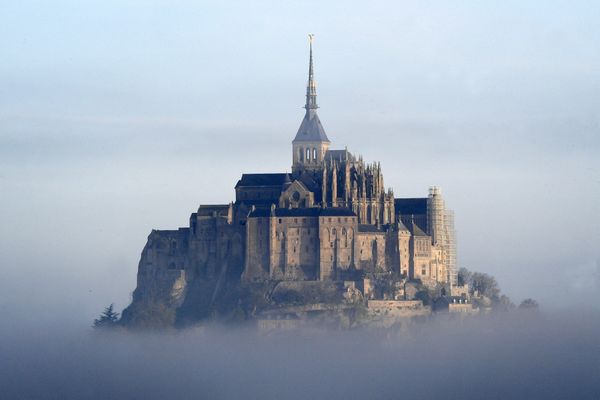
x=262, y=180
x=338, y=155
x=311, y=129
x=416, y=231
x=401, y=226
x=415, y=206
x=304, y=212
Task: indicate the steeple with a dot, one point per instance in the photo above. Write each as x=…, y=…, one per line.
x=311, y=86
x=310, y=145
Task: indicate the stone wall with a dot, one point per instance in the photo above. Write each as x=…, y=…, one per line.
x=337, y=244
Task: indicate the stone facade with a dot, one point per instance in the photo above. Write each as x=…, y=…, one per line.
x=330, y=219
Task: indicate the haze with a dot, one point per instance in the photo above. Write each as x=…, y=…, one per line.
x=117, y=118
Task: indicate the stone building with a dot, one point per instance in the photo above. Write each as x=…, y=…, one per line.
x=330, y=219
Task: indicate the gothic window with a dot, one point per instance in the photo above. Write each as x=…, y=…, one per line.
x=307, y=154
x=314, y=154
x=301, y=151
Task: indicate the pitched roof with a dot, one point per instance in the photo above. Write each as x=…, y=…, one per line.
x=262, y=180
x=401, y=226
x=415, y=206
x=311, y=129
x=304, y=212
x=339, y=155
x=416, y=231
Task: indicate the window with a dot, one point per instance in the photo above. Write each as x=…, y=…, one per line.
x=314, y=154
x=295, y=220
x=301, y=154
x=279, y=220
x=307, y=154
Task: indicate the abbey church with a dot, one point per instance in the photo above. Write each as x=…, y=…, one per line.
x=330, y=219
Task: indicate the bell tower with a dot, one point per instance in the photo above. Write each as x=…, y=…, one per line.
x=311, y=143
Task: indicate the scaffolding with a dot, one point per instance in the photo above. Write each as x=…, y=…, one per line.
x=440, y=226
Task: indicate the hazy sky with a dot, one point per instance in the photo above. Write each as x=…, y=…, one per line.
x=119, y=117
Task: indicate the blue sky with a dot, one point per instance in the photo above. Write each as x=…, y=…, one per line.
x=120, y=117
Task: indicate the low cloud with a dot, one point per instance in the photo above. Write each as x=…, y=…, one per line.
x=518, y=355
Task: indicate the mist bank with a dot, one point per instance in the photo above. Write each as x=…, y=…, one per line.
x=506, y=355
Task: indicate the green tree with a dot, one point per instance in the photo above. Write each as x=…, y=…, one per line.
x=464, y=276
x=108, y=319
x=486, y=285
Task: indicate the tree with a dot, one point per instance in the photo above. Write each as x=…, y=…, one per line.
x=505, y=304
x=529, y=304
x=108, y=319
x=486, y=285
x=464, y=276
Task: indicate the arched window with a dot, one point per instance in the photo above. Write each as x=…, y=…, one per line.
x=314, y=154
x=301, y=154
x=307, y=154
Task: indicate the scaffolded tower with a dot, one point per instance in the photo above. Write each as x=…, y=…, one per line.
x=440, y=226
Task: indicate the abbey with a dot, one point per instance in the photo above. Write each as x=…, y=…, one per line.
x=330, y=219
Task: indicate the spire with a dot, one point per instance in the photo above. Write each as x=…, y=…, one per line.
x=311, y=129
x=311, y=87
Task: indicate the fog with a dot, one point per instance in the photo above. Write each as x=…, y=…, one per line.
x=513, y=356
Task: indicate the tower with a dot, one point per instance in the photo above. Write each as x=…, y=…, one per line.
x=440, y=225
x=311, y=143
